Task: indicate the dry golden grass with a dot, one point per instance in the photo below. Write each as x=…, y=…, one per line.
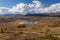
x=14, y=31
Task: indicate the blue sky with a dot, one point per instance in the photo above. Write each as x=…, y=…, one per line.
x=10, y=3
x=29, y=6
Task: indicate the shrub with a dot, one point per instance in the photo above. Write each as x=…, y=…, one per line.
x=21, y=26
x=7, y=30
x=46, y=29
x=51, y=37
x=1, y=30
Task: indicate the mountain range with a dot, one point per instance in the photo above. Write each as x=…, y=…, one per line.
x=34, y=14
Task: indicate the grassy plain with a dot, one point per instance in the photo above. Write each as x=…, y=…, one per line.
x=11, y=30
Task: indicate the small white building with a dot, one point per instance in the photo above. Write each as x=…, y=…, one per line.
x=28, y=22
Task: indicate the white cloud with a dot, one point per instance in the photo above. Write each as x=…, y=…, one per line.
x=19, y=8
x=3, y=10
x=34, y=7
x=27, y=8
x=55, y=7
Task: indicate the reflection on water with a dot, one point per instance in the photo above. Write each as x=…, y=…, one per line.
x=28, y=22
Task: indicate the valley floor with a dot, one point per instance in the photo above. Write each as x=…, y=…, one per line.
x=14, y=31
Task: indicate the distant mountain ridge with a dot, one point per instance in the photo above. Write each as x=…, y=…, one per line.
x=34, y=14
x=10, y=15
x=44, y=14
x=37, y=14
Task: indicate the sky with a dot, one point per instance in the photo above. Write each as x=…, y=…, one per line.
x=29, y=6
x=10, y=3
